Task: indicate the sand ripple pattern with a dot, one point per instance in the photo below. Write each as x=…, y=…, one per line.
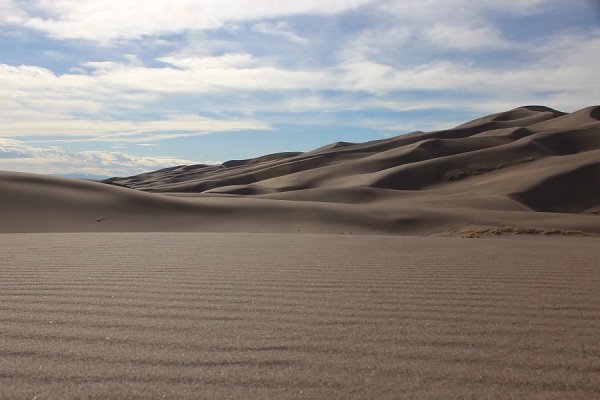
x=188, y=315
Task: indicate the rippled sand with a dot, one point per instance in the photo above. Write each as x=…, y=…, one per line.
x=194, y=315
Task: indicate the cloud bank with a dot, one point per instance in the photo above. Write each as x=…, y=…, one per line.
x=102, y=71
x=22, y=156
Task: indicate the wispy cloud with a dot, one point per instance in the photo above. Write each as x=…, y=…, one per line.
x=126, y=131
x=467, y=38
x=17, y=155
x=108, y=20
x=281, y=29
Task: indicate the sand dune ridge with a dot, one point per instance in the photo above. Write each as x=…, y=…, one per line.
x=530, y=166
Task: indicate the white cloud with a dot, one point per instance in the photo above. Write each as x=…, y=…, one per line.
x=108, y=20
x=127, y=131
x=20, y=156
x=379, y=43
x=280, y=29
x=409, y=33
x=111, y=101
x=466, y=38
x=226, y=61
x=36, y=102
x=11, y=12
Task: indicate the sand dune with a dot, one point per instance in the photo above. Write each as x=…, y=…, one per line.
x=533, y=167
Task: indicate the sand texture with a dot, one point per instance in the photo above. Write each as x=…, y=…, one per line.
x=529, y=168
x=270, y=316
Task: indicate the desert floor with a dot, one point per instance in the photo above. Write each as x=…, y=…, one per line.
x=233, y=315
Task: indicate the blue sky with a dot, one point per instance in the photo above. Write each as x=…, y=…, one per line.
x=120, y=87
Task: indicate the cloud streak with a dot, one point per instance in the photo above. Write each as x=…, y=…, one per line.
x=17, y=155
x=104, y=21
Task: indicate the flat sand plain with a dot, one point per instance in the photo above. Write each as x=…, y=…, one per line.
x=273, y=316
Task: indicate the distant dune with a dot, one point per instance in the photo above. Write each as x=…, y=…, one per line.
x=532, y=169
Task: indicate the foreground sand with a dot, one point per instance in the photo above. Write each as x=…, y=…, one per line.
x=231, y=315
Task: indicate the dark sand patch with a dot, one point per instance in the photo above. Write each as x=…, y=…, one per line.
x=483, y=231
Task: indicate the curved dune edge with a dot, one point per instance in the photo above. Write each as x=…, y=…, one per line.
x=532, y=167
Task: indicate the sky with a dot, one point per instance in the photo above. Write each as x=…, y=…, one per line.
x=120, y=87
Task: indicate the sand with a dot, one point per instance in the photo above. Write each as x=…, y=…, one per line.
x=461, y=263
x=197, y=315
